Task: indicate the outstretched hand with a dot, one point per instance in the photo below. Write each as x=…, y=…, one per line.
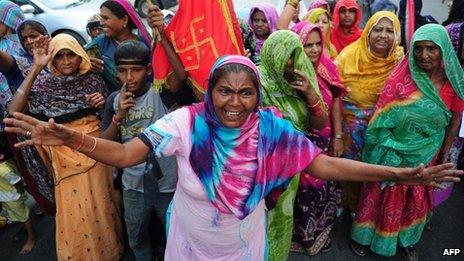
x=39, y=132
x=432, y=176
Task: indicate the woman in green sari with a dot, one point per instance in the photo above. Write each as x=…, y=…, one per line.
x=416, y=119
x=289, y=83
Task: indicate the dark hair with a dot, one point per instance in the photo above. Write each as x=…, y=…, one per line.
x=132, y=50
x=119, y=12
x=34, y=25
x=456, y=13
x=232, y=68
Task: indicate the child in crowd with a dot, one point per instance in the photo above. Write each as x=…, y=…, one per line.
x=128, y=112
x=94, y=27
x=12, y=194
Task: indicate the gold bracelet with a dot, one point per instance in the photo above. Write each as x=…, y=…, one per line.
x=315, y=105
x=338, y=136
x=94, y=145
x=293, y=3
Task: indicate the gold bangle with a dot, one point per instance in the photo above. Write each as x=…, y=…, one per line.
x=94, y=145
x=293, y=3
x=338, y=136
x=315, y=105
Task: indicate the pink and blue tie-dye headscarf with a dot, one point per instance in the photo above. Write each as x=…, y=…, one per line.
x=238, y=167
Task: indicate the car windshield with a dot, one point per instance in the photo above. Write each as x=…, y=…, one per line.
x=62, y=4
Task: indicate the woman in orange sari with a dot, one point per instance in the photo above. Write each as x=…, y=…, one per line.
x=87, y=206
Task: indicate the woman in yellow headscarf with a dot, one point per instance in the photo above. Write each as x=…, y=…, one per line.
x=322, y=17
x=87, y=206
x=364, y=65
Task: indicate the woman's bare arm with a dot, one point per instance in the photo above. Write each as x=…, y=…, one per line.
x=330, y=168
x=286, y=17
x=49, y=133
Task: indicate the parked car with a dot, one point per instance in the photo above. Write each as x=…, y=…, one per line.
x=62, y=16
x=142, y=8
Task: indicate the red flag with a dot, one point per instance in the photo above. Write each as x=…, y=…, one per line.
x=201, y=31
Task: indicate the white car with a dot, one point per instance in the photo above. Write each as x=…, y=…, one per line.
x=62, y=16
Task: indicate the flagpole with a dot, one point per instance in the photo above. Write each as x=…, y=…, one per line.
x=410, y=22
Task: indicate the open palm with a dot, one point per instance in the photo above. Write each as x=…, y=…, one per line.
x=40, y=132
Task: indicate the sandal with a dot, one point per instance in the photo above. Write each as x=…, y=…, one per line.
x=327, y=246
x=409, y=253
x=358, y=249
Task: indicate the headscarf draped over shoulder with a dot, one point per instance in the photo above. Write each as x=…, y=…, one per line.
x=277, y=50
x=136, y=20
x=65, y=41
x=410, y=109
x=363, y=72
x=259, y=150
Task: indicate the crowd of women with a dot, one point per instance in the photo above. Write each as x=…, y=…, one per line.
x=320, y=116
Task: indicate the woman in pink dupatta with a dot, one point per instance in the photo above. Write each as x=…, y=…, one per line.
x=317, y=200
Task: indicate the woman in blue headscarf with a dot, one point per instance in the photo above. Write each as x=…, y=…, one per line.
x=10, y=18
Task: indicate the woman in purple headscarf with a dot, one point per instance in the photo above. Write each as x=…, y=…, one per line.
x=263, y=21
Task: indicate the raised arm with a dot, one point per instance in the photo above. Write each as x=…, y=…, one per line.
x=177, y=78
x=330, y=168
x=290, y=9
x=49, y=133
x=42, y=56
